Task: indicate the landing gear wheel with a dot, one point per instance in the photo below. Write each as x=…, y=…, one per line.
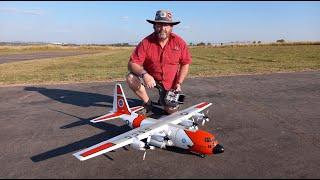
x=202, y=155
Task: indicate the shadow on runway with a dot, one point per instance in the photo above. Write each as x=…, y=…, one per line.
x=78, y=98
x=110, y=131
x=85, y=99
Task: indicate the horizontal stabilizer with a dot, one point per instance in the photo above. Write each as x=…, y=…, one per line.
x=137, y=108
x=106, y=117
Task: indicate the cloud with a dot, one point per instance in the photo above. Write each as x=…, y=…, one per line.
x=125, y=18
x=60, y=31
x=184, y=28
x=21, y=11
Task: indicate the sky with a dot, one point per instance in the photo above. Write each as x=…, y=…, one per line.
x=105, y=22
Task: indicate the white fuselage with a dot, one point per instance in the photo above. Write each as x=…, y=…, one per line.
x=173, y=135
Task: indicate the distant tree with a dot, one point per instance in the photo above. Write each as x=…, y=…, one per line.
x=208, y=44
x=254, y=42
x=259, y=42
x=190, y=44
x=280, y=41
x=201, y=44
x=221, y=44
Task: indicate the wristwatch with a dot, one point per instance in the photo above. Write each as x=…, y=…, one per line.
x=143, y=73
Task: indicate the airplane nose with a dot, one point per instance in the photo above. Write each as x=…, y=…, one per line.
x=218, y=149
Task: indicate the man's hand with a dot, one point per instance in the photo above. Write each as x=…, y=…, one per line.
x=149, y=81
x=178, y=87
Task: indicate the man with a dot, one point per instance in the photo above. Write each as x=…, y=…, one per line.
x=161, y=58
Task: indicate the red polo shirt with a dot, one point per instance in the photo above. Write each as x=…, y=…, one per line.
x=162, y=63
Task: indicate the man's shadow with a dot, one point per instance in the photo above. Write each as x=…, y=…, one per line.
x=78, y=98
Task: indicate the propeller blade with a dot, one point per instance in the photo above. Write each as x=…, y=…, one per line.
x=192, y=118
x=148, y=139
x=144, y=155
x=203, y=122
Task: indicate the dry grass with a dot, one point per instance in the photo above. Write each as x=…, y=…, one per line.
x=208, y=61
x=6, y=50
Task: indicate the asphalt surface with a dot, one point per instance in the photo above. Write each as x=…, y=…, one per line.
x=268, y=124
x=38, y=55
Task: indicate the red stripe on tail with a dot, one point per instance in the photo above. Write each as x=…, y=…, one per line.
x=119, y=90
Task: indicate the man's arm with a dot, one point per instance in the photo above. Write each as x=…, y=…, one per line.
x=182, y=75
x=136, y=68
x=139, y=70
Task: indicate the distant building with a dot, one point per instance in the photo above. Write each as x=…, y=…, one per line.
x=57, y=43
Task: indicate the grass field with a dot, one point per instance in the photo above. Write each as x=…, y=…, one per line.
x=110, y=63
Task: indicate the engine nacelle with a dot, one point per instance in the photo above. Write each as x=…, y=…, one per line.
x=157, y=138
x=138, y=145
x=157, y=143
x=161, y=144
x=198, y=116
x=186, y=123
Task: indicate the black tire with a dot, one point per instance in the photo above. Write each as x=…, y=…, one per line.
x=202, y=155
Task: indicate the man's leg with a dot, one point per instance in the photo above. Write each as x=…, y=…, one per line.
x=136, y=85
x=170, y=109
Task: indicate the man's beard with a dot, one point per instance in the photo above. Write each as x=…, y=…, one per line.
x=162, y=35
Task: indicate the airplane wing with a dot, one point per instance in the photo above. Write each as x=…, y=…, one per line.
x=187, y=113
x=118, y=141
x=140, y=133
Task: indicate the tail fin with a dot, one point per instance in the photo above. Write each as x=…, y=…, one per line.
x=120, y=103
x=120, y=106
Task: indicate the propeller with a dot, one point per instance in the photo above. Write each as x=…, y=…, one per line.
x=195, y=125
x=200, y=117
x=147, y=146
x=205, y=117
x=144, y=155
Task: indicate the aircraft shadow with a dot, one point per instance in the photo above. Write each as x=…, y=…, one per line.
x=110, y=131
x=85, y=99
x=78, y=98
x=178, y=150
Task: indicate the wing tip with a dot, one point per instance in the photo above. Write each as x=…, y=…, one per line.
x=203, y=104
x=79, y=157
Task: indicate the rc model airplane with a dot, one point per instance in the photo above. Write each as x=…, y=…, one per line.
x=178, y=129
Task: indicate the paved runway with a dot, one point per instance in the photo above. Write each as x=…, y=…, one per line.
x=268, y=124
x=39, y=55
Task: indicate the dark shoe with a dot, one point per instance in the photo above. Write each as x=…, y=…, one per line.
x=147, y=110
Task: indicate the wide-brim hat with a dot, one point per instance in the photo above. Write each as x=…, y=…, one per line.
x=163, y=16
